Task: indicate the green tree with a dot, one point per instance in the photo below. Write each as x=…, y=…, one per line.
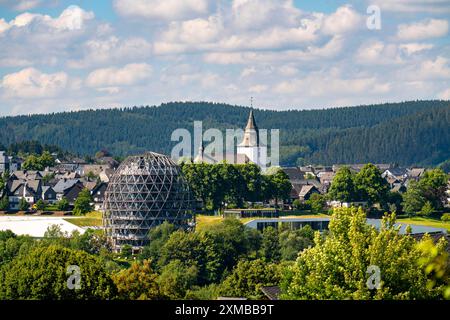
x=126, y=251
x=231, y=241
x=433, y=186
x=413, y=199
x=46, y=160
x=42, y=274
x=32, y=162
x=370, y=185
x=4, y=203
x=139, y=282
x=427, y=209
x=63, y=204
x=337, y=266
x=176, y=278
x=270, y=246
x=342, y=187
x=248, y=277
x=192, y=249
x=292, y=242
x=40, y=205
x=436, y=264
x=23, y=204
x=317, y=203
x=279, y=180
x=11, y=245
x=158, y=237
x=82, y=204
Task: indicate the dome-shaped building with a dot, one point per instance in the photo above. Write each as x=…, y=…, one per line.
x=145, y=191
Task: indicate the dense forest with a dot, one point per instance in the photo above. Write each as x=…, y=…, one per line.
x=406, y=133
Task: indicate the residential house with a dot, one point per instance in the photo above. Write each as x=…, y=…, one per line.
x=397, y=173
x=294, y=174
x=4, y=162
x=326, y=178
x=299, y=192
x=415, y=173
x=29, y=190
x=48, y=194
x=98, y=194
x=68, y=189
x=306, y=192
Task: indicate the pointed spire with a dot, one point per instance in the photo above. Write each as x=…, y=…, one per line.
x=251, y=123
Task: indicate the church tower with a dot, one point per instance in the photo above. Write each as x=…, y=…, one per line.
x=255, y=151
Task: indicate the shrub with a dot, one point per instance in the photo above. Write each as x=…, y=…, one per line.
x=445, y=217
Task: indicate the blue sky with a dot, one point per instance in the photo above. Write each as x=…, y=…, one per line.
x=58, y=55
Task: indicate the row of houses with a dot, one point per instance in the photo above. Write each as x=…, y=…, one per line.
x=308, y=180
x=65, y=180
x=33, y=186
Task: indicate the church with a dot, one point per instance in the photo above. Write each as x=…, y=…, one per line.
x=250, y=150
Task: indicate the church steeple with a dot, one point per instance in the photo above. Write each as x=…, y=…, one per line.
x=251, y=133
x=251, y=123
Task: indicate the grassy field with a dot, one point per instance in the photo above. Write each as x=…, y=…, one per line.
x=424, y=221
x=92, y=219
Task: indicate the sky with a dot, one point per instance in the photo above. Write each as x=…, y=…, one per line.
x=61, y=55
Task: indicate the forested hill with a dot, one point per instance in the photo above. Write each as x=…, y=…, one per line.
x=407, y=133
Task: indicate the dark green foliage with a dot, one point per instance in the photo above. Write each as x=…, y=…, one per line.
x=40, y=205
x=343, y=186
x=12, y=245
x=270, y=246
x=4, y=203
x=429, y=192
x=23, y=204
x=414, y=132
x=292, y=242
x=63, y=204
x=82, y=204
x=219, y=185
x=158, y=237
x=248, y=277
x=42, y=274
x=316, y=202
x=370, y=185
x=176, y=278
x=33, y=162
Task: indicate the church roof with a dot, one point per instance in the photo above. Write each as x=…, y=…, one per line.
x=251, y=123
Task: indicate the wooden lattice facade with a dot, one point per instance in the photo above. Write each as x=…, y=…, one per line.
x=145, y=191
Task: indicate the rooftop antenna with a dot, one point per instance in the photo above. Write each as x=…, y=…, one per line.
x=251, y=102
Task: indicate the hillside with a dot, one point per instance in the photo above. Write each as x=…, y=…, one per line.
x=406, y=133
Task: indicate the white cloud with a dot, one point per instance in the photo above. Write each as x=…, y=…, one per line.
x=411, y=48
x=32, y=83
x=408, y=6
x=444, y=95
x=311, y=53
x=130, y=74
x=345, y=19
x=328, y=84
x=434, y=69
x=22, y=5
x=432, y=28
x=258, y=14
x=378, y=53
x=162, y=9
x=258, y=88
x=112, y=50
x=72, y=18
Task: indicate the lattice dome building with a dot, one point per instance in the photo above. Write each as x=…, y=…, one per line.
x=145, y=191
